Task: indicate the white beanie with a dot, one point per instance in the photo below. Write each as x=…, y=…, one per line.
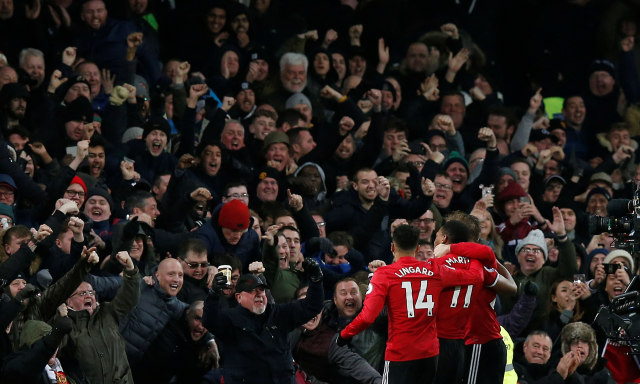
x=619, y=253
x=535, y=237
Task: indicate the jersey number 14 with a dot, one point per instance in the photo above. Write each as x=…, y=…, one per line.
x=423, y=301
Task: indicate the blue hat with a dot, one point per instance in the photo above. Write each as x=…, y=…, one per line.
x=8, y=180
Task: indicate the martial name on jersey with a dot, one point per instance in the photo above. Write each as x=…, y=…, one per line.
x=451, y=260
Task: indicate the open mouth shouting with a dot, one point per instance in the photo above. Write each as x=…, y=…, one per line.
x=156, y=147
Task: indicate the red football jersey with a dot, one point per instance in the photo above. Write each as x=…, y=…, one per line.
x=455, y=302
x=410, y=289
x=483, y=325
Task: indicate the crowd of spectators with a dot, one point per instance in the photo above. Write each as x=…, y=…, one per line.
x=147, y=145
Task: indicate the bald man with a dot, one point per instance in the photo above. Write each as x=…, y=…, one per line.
x=157, y=306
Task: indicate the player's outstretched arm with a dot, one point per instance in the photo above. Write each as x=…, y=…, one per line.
x=505, y=284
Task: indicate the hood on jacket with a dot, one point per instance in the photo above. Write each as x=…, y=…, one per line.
x=323, y=189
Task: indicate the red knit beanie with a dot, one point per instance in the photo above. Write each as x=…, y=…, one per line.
x=234, y=215
x=512, y=191
x=78, y=180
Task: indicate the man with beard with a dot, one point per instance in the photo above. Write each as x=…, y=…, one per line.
x=245, y=104
x=13, y=104
x=97, y=160
x=254, y=334
x=293, y=79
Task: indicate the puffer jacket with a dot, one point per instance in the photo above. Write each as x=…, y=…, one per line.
x=95, y=340
x=142, y=325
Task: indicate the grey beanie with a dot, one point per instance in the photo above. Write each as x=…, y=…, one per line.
x=620, y=253
x=295, y=99
x=535, y=237
x=132, y=133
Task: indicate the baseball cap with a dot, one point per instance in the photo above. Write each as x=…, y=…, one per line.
x=249, y=282
x=8, y=181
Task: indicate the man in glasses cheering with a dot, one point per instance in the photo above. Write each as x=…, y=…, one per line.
x=91, y=342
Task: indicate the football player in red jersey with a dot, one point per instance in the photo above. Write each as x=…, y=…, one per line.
x=470, y=318
x=410, y=290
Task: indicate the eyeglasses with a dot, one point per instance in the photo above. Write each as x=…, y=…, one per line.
x=71, y=192
x=84, y=293
x=535, y=251
x=7, y=193
x=417, y=164
x=238, y=195
x=444, y=186
x=196, y=265
x=321, y=223
x=426, y=221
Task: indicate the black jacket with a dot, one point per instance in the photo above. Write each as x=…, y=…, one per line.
x=256, y=347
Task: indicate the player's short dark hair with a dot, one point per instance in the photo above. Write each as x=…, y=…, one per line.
x=472, y=223
x=456, y=231
x=406, y=237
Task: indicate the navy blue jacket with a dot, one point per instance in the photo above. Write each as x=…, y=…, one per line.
x=247, y=249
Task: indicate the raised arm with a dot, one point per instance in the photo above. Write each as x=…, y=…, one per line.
x=505, y=285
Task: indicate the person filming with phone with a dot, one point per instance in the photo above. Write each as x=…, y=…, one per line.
x=519, y=216
x=612, y=278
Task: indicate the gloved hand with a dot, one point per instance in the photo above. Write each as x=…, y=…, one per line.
x=340, y=341
x=26, y=292
x=531, y=288
x=312, y=270
x=61, y=327
x=219, y=283
x=119, y=95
